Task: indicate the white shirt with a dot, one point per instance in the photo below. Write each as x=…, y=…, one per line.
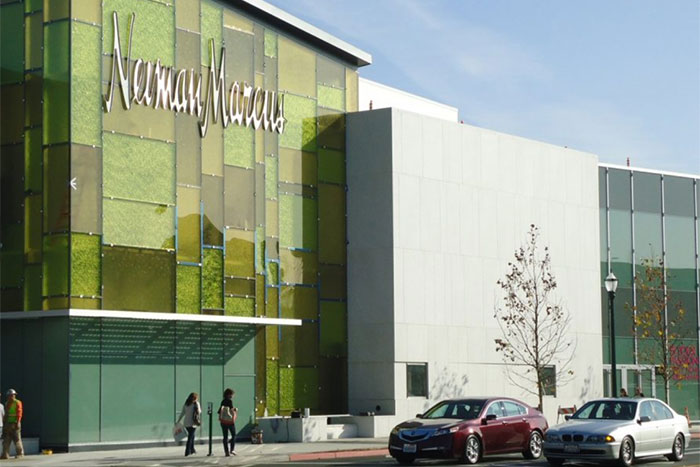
x=188, y=413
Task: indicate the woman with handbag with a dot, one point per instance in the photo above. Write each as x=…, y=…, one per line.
x=227, y=417
x=192, y=413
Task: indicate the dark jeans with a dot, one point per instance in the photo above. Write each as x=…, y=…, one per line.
x=225, y=429
x=189, y=447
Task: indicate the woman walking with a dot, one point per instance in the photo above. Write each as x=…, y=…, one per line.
x=227, y=417
x=192, y=413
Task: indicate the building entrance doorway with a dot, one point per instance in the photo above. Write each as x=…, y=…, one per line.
x=631, y=377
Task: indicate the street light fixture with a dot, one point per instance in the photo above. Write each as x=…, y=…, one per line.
x=611, y=287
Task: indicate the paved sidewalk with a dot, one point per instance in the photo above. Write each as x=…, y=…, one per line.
x=247, y=454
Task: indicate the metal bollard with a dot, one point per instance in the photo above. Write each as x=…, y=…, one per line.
x=210, y=409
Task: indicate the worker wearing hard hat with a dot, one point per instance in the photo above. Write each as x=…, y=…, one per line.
x=12, y=425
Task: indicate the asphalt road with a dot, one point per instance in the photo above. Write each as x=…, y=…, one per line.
x=692, y=458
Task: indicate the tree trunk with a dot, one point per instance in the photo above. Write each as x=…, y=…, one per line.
x=667, y=390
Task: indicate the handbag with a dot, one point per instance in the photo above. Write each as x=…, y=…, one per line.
x=197, y=416
x=227, y=416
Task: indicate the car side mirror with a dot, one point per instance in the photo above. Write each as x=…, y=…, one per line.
x=488, y=418
x=567, y=417
x=644, y=419
x=419, y=415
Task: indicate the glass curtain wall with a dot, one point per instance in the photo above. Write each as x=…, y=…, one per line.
x=132, y=210
x=652, y=216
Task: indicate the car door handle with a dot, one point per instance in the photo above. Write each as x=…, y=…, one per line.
x=524, y=419
x=504, y=422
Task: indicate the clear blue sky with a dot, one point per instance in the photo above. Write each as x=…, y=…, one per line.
x=617, y=78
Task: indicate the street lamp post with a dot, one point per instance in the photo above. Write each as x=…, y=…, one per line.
x=611, y=287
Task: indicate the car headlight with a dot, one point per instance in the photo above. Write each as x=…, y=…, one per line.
x=552, y=438
x=445, y=431
x=600, y=439
x=396, y=430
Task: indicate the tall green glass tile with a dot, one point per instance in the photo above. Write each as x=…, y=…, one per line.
x=297, y=68
x=12, y=187
x=331, y=129
x=271, y=177
x=34, y=41
x=334, y=332
x=55, y=303
x=333, y=282
x=259, y=295
x=56, y=188
x=272, y=386
x=33, y=160
x=298, y=227
x=32, y=228
x=139, y=169
x=55, y=271
x=188, y=49
x=331, y=98
x=138, y=280
x=89, y=12
x=11, y=43
x=238, y=146
x=271, y=222
x=213, y=200
x=12, y=113
x=187, y=15
x=188, y=225
x=156, y=224
x=154, y=29
x=86, y=303
x=331, y=166
x=32, y=287
x=272, y=273
x=233, y=20
x=270, y=44
x=299, y=302
x=142, y=121
x=298, y=267
x=211, y=27
x=272, y=309
x=85, y=265
x=239, y=210
x=86, y=198
x=299, y=345
x=213, y=150
x=270, y=80
x=300, y=130
x=56, y=110
x=240, y=253
x=259, y=250
x=329, y=73
x=212, y=279
x=56, y=9
x=298, y=388
x=11, y=255
x=297, y=167
x=351, y=90
x=239, y=306
x=331, y=207
x=189, y=150
x=86, y=90
x=188, y=289
x=239, y=56
x=33, y=100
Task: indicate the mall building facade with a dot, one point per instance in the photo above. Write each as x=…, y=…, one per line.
x=215, y=210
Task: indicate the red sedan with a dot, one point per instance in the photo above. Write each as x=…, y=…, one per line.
x=468, y=429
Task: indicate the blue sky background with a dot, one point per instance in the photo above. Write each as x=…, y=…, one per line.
x=617, y=78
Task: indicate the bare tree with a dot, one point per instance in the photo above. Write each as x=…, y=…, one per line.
x=661, y=335
x=534, y=324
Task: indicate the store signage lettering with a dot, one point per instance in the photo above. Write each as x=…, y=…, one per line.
x=153, y=84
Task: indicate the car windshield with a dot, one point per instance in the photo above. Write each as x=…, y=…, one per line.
x=461, y=410
x=606, y=410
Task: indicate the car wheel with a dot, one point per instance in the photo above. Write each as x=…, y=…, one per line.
x=405, y=460
x=555, y=461
x=472, y=450
x=678, y=450
x=626, y=452
x=534, y=446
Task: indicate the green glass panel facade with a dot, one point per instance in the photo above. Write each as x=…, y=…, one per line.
x=189, y=289
x=212, y=279
x=85, y=265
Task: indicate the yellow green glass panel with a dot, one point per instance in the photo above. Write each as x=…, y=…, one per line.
x=187, y=15
x=332, y=98
x=11, y=43
x=189, y=151
x=239, y=56
x=85, y=264
x=334, y=333
x=239, y=193
x=272, y=273
x=156, y=224
x=331, y=166
x=138, y=169
x=298, y=267
x=331, y=129
x=188, y=289
x=298, y=388
x=299, y=302
x=86, y=90
x=213, y=200
x=272, y=341
x=34, y=40
x=32, y=228
x=56, y=188
x=297, y=68
x=272, y=387
x=351, y=91
x=271, y=220
x=86, y=197
x=213, y=150
x=211, y=24
x=32, y=287
x=297, y=167
x=238, y=146
x=331, y=207
x=188, y=224
x=56, y=82
x=212, y=278
x=298, y=227
x=329, y=72
x=33, y=100
x=270, y=44
x=244, y=287
x=87, y=11
x=143, y=121
x=55, y=260
x=240, y=253
x=86, y=303
x=300, y=130
x=333, y=281
x=236, y=21
x=240, y=306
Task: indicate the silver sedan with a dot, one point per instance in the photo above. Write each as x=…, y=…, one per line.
x=619, y=429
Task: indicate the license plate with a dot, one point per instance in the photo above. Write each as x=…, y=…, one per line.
x=571, y=448
x=410, y=448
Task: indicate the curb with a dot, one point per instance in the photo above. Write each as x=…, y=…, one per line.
x=312, y=456
x=694, y=435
